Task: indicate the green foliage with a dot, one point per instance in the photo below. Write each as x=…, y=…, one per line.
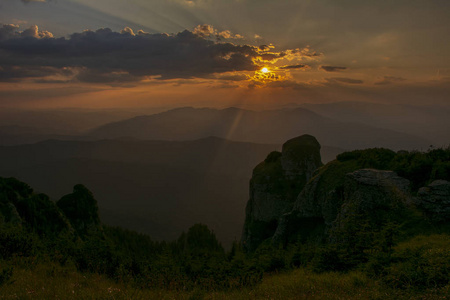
x=328, y=259
x=81, y=209
x=13, y=189
x=199, y=241
x=422, y=262
x=269, y=257
x=16, y=241
x=5, y=275
x=196, y=259
x=303, y=254
x=41, y=215
x=419, y=167
x=96, y=254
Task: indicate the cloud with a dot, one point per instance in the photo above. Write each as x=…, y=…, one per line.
x=34, y=32
x=30, y=1
x=206, y=30
x=332, y=68
x=128, y=30
x=390, y=80
x=10, y=31
x=344, y=80
x=104, y=56
x=289, y=84
x=233, y=77
x=16, y=73
x=290, y=67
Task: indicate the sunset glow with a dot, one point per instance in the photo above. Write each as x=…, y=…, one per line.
x=254, y=146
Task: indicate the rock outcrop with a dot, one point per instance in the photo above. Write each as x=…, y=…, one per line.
x=274, y=187
x=294, y=198
x=369, y=190
x=373, y=195
x=365, y=192
x=434, y=200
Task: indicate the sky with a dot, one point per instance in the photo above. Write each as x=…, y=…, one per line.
x=218, y=53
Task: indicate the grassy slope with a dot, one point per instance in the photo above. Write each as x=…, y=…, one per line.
x=54, y=282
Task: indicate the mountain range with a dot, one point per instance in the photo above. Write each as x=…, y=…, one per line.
x=273, y=127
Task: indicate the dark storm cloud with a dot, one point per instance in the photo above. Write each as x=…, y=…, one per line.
x=8, y=31
x=30, y=1
x=233, y=77
x=345, y=80
x=389, y=80
x=332, y=68
x=95, y=76
x=16, y=73
x=294, y=67
x=108, y=56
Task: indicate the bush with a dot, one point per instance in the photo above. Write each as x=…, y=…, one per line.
x=422, y=262
x=5, y=275
x=16, y=241
x=327, y=259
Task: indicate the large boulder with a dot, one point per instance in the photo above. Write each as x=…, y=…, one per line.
x=370, y=189
x=275, y=185
x=434, y=200
x=373, y=195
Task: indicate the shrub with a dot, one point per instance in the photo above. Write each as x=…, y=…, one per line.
x=422, y=262
x=5, y=275
x=16, y=241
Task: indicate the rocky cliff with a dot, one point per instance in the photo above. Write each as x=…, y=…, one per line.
x=354, y=189
x=275, y=184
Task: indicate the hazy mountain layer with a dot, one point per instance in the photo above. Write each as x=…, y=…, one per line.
x=263, y=127
x=429, y=122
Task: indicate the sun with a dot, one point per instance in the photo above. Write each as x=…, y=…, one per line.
x=265, y=70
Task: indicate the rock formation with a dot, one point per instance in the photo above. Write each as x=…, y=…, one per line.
x=434, y=200
x=275, y=184
x=365, y=192
x=294, y=198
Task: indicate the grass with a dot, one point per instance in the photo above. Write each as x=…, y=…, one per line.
x=51, y=281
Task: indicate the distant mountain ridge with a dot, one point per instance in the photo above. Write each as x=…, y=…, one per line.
x=430, y=122
x=273, y=127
